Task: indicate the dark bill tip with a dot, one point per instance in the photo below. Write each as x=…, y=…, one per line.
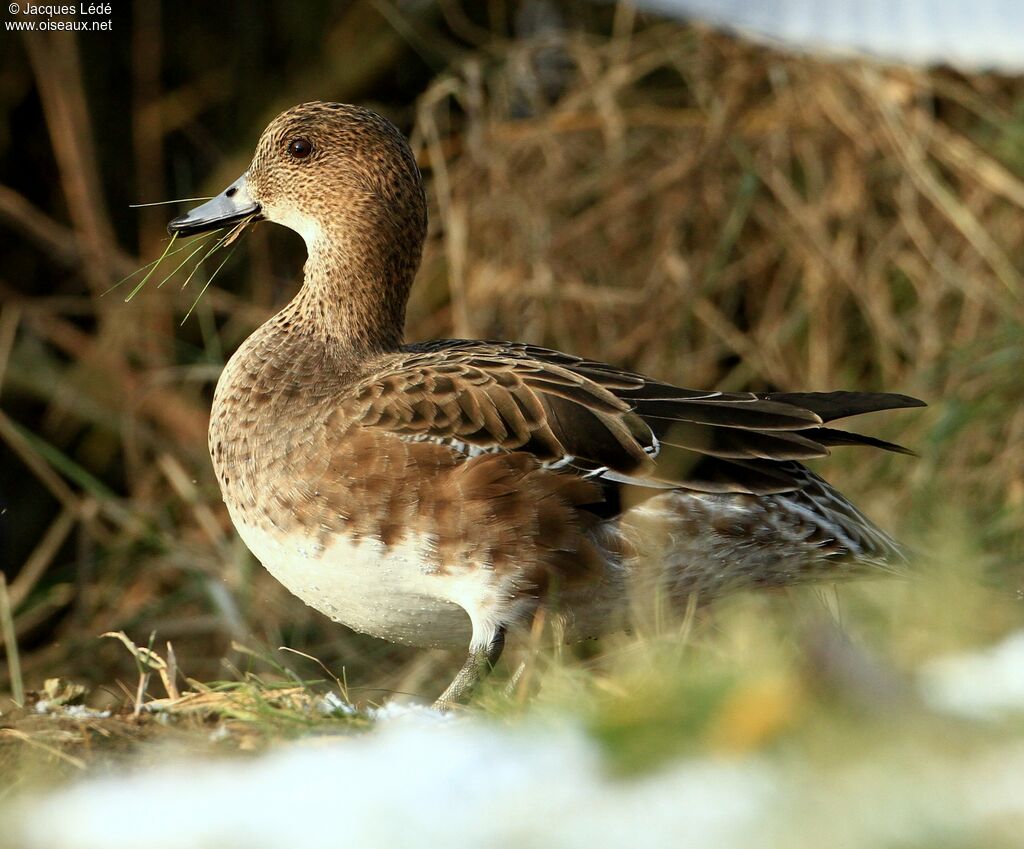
x=229, y=207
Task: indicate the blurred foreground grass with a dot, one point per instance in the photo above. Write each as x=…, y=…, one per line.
x=821, y=674
x=660, y=197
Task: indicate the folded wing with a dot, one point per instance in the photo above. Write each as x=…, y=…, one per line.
x=597, y=420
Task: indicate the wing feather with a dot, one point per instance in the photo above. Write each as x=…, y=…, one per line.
x=605, y=421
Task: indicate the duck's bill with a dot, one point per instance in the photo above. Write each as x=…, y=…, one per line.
x=232, y=205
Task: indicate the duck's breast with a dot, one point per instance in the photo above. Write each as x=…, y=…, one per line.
x=386, y=591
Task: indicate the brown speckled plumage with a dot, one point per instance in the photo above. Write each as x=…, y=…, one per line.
x=440, y=492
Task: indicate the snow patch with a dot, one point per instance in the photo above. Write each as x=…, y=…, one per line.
x=391, y=712
x=46, y=707
x=986, y=684
x=331, y=704
x=413, y=782
x=968, y=34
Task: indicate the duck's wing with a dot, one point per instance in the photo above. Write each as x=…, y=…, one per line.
x=605, y=422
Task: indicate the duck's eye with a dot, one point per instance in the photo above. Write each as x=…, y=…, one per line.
x=300, y=148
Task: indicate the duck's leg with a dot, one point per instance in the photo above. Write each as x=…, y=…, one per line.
x=482, y=657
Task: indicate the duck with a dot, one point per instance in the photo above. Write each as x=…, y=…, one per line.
x=451, y=493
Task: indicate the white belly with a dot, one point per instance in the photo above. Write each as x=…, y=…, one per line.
x=383, y=591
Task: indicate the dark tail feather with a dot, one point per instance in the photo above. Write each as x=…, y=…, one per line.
x=832, y=436
x=839, y=405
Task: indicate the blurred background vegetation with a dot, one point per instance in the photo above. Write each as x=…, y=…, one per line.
x=612, y=184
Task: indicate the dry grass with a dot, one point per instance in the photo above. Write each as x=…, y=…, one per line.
x=710, y=212
x=719, y=214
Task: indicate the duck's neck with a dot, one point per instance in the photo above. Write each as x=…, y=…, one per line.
x=355, y=291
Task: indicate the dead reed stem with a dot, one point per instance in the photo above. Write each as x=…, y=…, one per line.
x=11, y=643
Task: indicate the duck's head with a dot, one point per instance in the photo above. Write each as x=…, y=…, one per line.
x=329, y=171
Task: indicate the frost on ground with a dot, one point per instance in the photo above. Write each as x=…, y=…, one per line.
x=970, y=34
x=422, y=778
x=987, y=684
x=414, y=782
x=418, y=780
x=44, y=706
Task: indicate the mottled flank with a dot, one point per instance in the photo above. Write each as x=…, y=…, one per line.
x=427, y=492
